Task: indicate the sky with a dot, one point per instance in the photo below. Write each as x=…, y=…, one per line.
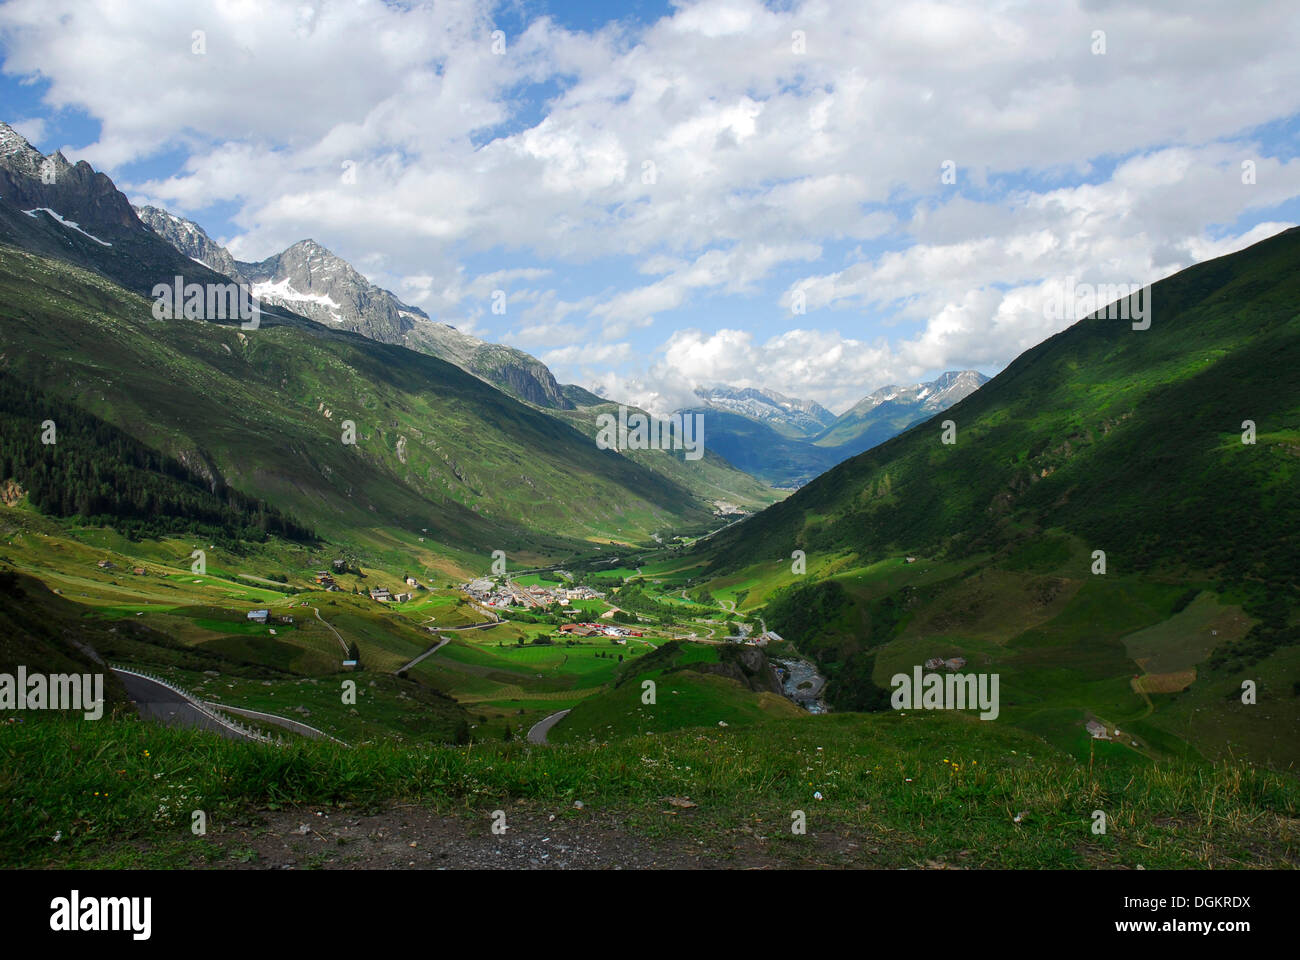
x=818, y=198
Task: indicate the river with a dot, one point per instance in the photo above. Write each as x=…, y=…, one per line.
x=801, y=682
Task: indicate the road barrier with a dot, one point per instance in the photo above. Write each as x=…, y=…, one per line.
x=219, y=718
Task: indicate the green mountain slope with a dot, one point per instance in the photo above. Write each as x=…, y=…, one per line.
x=1131, y=439
x=1103, y=438
x=761, y=451
x=263, y=411
x=711, y=478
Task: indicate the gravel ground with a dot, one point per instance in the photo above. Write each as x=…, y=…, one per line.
x=536, y=838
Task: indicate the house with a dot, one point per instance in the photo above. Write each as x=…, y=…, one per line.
x=381, y=594
x=909, y=560
x=956, y=663
x=339, y=564
x=1097, y=729
x=412, y=582
x=403, y=597
x=934, y=663
x=105, y=565
x=259, y=616
x=138, y=571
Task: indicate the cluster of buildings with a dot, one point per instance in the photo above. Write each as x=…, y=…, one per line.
x=939, y=663
x=264, y=616
x=599, y=630
x=491, y=594
x=383, y=595
x=326, y=580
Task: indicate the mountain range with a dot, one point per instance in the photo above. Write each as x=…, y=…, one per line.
x=80, y=217
x=314, y=282
x=788, y=442
x=262, y=412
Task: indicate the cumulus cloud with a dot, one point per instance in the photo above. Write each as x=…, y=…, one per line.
x=726, y=144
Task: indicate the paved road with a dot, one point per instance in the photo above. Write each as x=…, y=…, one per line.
x=428, y=653
x=475, y=626
x=294, y=725
x=539, y=730
x=158, y=702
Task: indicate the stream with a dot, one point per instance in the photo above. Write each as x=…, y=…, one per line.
x=801, y=682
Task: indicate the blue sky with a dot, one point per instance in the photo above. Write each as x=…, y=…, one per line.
x=721, y=191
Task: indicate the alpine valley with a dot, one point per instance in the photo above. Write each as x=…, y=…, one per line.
x=353, y=559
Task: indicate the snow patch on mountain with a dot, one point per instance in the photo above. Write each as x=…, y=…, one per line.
x=67, y=223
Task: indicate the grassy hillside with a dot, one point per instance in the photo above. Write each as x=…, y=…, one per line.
x=1131, y=439
x=436, y=450
x=1103, y=438
x=684, y=696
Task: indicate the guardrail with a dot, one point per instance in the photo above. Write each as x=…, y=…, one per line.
x=193, y=701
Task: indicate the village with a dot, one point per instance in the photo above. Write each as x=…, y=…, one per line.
x=490, y=593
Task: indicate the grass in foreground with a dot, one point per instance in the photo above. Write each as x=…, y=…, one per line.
x=913, y=788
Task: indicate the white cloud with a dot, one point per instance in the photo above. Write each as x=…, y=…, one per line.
x=708, y=153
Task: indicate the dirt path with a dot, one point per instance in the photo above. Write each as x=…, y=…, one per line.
x=332, y=630
x=537, y=837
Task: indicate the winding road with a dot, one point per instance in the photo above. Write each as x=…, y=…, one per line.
x=156, y=701
x=428, y=653
x=295, y=725
x=537, y=733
